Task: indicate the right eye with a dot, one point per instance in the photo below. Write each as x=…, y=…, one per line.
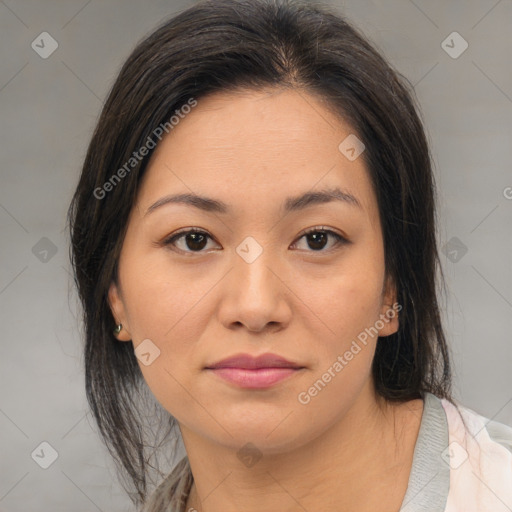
x=192, y=240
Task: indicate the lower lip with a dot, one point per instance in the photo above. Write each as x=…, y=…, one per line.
x=254, y=379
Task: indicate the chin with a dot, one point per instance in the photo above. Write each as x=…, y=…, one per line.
x=271, y=435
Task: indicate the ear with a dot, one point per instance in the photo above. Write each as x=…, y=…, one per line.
x=118, y=312
x=389, y=310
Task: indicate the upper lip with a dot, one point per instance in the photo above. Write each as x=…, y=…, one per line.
x=251, y=362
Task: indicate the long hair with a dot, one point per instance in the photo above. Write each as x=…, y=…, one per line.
x=229, y=45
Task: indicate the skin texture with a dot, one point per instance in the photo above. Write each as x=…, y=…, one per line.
x=252, y=150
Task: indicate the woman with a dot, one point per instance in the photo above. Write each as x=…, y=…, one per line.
x=253, y=237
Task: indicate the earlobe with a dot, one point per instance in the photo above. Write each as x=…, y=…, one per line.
x=388, y=319
x=390, y=309
x=120, y=328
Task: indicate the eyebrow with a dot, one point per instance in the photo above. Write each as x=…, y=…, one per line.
x=291, y=204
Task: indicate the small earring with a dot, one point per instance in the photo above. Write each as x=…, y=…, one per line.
x=117, y=330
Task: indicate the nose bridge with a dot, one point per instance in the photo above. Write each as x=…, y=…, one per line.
x=252, y=263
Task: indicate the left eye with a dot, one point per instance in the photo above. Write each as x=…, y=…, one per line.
x=317, y=238
x=195, y=240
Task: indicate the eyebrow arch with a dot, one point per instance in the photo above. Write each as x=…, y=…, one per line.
x=291, y=204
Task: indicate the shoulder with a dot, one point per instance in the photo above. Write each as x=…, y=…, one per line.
x=479, y=454
x=487, y=432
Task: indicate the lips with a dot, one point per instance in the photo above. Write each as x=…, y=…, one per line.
x=248, y=362
x=249, y=372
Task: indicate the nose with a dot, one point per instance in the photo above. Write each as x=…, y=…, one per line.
x=255, y=294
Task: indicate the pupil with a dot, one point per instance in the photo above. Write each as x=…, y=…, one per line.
x=193, y=238
x=317, y=237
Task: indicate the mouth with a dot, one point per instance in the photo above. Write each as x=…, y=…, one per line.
x=246, y=371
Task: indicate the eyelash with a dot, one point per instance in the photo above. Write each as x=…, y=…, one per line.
x=171, y=240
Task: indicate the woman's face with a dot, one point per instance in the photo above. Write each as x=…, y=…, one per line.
x=254, y=282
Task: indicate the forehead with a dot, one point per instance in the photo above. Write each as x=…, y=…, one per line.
x=264, y=144
x=262, y=122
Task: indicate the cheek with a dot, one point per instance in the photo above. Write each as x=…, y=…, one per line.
x=349, y=305
x=347, y=301
x=161, y=298
x=166, y=379
x=167, y=307
x=169, y=312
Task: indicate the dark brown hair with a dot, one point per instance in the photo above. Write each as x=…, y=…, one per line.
x=228, y=45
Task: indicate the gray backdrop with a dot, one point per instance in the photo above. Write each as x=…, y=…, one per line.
x=49, y=107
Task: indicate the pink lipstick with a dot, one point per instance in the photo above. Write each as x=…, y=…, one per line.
x=252, y=372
